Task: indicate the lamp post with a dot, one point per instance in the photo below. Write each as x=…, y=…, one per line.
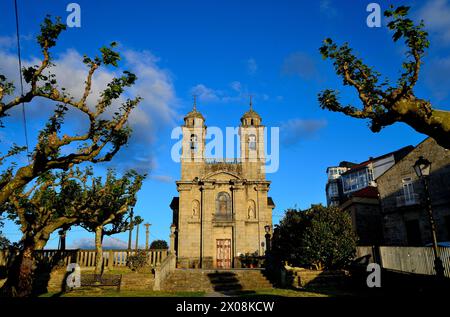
x=422, y=168
x=267, y=229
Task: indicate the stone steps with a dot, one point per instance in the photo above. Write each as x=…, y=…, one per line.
x=215, y=280
x=137, y=281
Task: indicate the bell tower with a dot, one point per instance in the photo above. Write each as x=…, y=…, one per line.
x=193, y=144
x=251, y=135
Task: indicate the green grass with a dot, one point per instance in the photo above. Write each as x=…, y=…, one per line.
x=274, y=292
x=124, y=293
x=280, y=292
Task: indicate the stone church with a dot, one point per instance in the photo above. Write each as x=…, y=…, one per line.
x=223, y=209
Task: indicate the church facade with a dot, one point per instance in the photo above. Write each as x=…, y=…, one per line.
x=223, y=209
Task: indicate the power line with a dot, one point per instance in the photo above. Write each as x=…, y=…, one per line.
x=24, y=117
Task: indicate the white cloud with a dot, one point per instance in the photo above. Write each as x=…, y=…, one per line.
x=327, y=8
x=236, y=93
x=89, y=243
x=436, y=77
x=154, y=84
x=296, y=130
x=206, y=94
x=162, y=178
x=236, y=86
x=7, y=41
x=435, y=14
x=252, y=67
x=302, y=65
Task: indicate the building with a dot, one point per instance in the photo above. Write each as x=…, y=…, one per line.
x=353, y=188
x=405, y=218
x=223, y=205
x=348, y=178
x=333, y=188
x=364, y=208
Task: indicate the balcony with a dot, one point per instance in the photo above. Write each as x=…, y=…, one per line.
x=408, y=200
x=222, y=160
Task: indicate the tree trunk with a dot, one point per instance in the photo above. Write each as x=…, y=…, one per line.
x=23, y=176
x=98, y=249
x=20, y=274
x=418, y=114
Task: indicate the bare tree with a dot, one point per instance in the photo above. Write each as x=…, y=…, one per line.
x=61, y=200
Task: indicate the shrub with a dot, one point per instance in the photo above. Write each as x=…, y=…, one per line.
x=137, y=261
x=319, y=237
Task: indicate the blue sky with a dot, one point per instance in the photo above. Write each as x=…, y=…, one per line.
x=223, y=51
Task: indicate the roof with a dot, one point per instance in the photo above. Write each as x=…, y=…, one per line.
x=346, y=164
x=174, y=204
x=194, y=114
x=366, y=192
x=401, y=158
x=270, y=202
x=251, y=114
x=398, y=155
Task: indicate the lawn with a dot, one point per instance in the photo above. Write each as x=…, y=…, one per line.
x=125, y=293
x=275, y=292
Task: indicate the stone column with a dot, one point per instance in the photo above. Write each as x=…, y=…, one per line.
x=172, y=239
x=147, y=234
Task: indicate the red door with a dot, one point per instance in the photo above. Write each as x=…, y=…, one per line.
x=223, y=254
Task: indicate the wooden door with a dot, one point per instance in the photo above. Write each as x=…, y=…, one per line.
x=223, y=255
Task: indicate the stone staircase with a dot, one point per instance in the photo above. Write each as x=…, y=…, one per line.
x=232, y=280
x=137, y=281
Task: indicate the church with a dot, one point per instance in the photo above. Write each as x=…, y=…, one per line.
x=223, y=209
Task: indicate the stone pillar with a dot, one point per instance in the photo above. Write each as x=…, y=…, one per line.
x=147, y=234
x=110, y=259
x=172, y=239
x=137, y=236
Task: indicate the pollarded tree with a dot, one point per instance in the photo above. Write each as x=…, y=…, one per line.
x=111, y=215
x=4, y=242
x=99, y=143
x=382, y=103
x=61, y=200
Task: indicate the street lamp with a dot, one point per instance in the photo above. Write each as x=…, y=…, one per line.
x=422, y=168
x=267, y=229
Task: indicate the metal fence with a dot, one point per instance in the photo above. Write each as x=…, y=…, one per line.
x=419, y=260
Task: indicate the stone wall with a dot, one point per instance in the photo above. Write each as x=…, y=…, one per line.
x=366, y=219
x=390, y=187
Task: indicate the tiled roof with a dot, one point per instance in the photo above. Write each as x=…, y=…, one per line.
x=366, y=192
x=398, y=154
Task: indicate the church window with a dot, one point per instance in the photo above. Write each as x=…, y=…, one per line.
x=193, y=143
x=252, y=142
x=223, y=205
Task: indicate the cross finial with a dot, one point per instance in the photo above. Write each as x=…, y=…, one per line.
x=194, y=107
x=251, y=103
